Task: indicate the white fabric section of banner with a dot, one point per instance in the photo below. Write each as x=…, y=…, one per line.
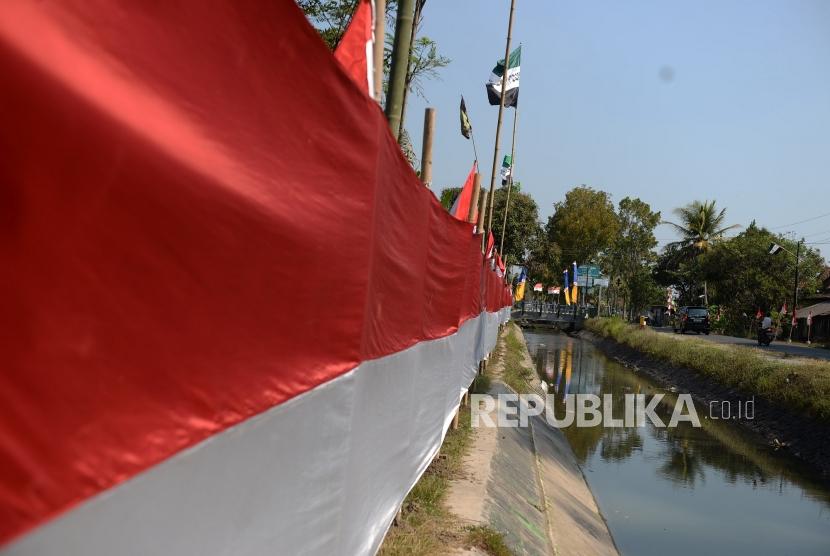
x=323, y=473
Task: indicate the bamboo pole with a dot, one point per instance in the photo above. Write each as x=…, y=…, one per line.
x=482, y=219
x=509, y=178
x=501, y=111
x=416, y=21
x=380, y=37
x=471, y=215
x=426, y=146
x=400, y=65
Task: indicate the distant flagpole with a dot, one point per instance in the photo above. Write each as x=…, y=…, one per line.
x=510, y=178
x=501, y=111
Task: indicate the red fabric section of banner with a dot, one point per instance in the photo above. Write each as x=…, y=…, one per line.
x=351, y=50
x=202, y=217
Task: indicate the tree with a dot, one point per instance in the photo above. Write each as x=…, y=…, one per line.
x=745, y=277
x=583, y=225
x=448, y=195
x=701, y=226
x=522, y=230
x=631, y=255
x=331, y=17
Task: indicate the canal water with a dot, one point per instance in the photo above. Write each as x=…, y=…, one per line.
x=687, y=490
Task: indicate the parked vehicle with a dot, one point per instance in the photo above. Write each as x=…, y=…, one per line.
x=765, y=336
x=695, y=319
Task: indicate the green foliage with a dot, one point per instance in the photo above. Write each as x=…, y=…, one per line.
x=744, y=277
x=516, y=373
x=448, y=195
x=424, y=63
x=701, y=225
x=583, y=225
x=629, y=259
x=330, y=17
x=489, y=539
x=801, y=387
x=522, y=231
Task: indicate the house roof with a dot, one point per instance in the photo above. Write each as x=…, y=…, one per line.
x=818, y=309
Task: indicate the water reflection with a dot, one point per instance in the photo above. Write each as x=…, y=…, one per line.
x=714, y=488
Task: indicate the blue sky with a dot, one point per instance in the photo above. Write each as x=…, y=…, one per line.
x=745, y=119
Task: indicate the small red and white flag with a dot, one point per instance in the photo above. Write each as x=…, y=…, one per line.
x=538, y=287
x=553, y=290
x=461, y=207
x=499, y=266
x=355, y=52
x=784, y=308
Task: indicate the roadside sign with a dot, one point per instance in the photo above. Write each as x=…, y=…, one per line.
x=590, y=271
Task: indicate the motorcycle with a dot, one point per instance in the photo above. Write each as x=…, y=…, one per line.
x=765, y=336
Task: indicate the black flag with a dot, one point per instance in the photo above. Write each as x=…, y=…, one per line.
x=466, y=126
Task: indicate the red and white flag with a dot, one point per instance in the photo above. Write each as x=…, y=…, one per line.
x=491, y=246
x=795, y=317
x=784, y=308
x=538, y=287
x=355, y=52
x=461, y=207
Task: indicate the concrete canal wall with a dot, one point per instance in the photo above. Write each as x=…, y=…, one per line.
x=525, y=482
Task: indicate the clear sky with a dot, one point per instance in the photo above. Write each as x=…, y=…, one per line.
x=668, y=101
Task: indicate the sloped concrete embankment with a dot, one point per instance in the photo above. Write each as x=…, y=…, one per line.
x=525, y=482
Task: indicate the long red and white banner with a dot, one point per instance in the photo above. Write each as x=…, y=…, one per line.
x=233, y=321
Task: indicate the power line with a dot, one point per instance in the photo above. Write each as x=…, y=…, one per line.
x=801, y=221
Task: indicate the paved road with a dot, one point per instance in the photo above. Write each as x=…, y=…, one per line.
x=778, y=346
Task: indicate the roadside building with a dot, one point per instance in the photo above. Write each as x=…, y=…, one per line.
x=820, y=329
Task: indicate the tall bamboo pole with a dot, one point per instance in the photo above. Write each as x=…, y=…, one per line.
x=400, y=65
x=380, y=38
x=426, y=146
x=509, y=178
x=416, y=21
x=501, y=111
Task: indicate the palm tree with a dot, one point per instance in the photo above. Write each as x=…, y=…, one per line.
x=701, y=226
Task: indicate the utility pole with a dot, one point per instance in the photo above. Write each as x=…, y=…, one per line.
x=510, y=177
x=426, y=146
x=795, y=286
x=400, y=65
x=380, y=37
x=501, y=111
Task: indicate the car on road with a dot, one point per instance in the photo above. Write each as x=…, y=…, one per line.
x=691, y=319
